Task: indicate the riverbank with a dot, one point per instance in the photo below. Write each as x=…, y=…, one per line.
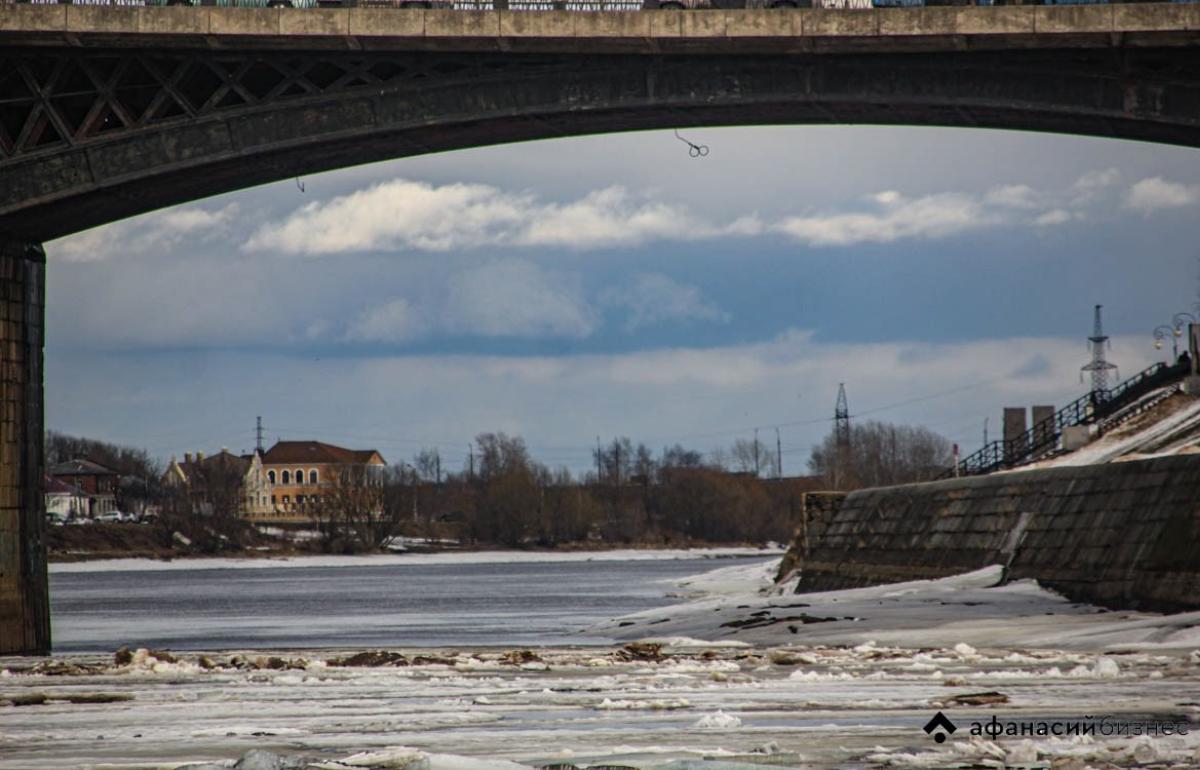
x=132, y=544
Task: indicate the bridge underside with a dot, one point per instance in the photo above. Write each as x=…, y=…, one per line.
x=90, y=136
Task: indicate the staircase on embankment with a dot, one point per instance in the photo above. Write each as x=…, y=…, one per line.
x=1104, y=409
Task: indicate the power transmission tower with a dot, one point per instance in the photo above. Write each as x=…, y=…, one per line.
x=841, y=436
x=1099, y=367
x=258, y=445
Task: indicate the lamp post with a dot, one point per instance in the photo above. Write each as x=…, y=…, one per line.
x=1161, y=332
x=1177, y=321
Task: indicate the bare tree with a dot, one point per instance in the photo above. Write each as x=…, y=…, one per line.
x=752, y=456
x=357, y=505
x=429, y=464
x=882, y=454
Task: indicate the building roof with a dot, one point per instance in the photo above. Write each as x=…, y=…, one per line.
x=55, y=486
x=292, y=452
x=80, y=468
x=221, y=460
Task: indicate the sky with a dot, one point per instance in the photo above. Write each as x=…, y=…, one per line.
x=578, y=289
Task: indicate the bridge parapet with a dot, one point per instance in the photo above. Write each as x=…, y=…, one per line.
x=743, y=30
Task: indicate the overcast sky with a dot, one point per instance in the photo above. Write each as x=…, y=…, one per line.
x=612, y=285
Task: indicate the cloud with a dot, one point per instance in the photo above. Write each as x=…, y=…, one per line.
x=1014, y=196
x=1153, y=194
x=516, y=298
x=409, y=215
x=654, y=298
x=394, y=321
x=897, y=217
x=402, y=214
x=1053, y=217
x=158, y=234
x=1091, y=186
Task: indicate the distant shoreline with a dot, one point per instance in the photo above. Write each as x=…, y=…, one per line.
x=133, y=542
x=474, y=556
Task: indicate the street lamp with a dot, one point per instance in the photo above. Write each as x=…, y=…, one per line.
x=1161, y=332
x=1177, y=322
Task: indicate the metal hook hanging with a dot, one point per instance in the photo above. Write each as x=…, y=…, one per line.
x=299, y=184
x=694, y=150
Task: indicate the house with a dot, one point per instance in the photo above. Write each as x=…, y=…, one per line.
x=223, y=475
x=95, y=480
x=300, y=474
x=65, y=502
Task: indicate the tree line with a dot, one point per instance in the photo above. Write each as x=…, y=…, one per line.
x=630, y=495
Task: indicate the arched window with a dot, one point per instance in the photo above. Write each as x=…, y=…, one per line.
x=287, y=477
x=271, y=476
x=299, y=475
x=312, y=476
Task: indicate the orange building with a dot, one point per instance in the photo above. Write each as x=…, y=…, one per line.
x=299, y=474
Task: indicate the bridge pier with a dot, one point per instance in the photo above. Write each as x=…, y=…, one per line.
x=24, y=590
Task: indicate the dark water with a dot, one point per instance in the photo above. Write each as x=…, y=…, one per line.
x=460, y=604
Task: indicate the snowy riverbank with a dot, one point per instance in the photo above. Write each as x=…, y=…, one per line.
x=741, y=603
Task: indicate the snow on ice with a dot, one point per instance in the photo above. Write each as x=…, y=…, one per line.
x=720, y=682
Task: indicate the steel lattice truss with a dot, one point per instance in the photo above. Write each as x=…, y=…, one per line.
x=59, y=100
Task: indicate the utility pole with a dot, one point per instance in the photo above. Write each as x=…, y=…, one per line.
x=841, y=436
x=778, y=456
x=471, y=461
x=1099, y=366
x=258, y=444
x=437, y=464
x=756, y=452
x=617, y=460
x=599, y=472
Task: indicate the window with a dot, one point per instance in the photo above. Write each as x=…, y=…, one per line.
x=287, y=477
x=312, y=476
x=299, y=475
x=299, y=499
x=271, y=476
x=272, y=499
x=287, y=499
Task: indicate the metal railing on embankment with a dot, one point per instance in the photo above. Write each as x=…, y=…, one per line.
x=1044, y=436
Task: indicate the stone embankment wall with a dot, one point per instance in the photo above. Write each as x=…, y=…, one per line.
x=1123, y=535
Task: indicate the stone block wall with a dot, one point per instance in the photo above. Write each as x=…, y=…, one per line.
x=24, y=601
x=1122, y=535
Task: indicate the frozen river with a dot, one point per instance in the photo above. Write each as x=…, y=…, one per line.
x=414, y=601
x=471, y=665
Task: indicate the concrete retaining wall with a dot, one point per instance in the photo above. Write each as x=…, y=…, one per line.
x=1123, y=535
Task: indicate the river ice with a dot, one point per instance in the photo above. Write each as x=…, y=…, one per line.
x=833, y=694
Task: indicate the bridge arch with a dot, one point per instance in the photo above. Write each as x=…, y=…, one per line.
x=120, y=125
x=110, y=112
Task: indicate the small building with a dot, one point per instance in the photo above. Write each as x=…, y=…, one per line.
x=300, y=474
x=224, y=473
x=98, y=482
x=65, y=502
